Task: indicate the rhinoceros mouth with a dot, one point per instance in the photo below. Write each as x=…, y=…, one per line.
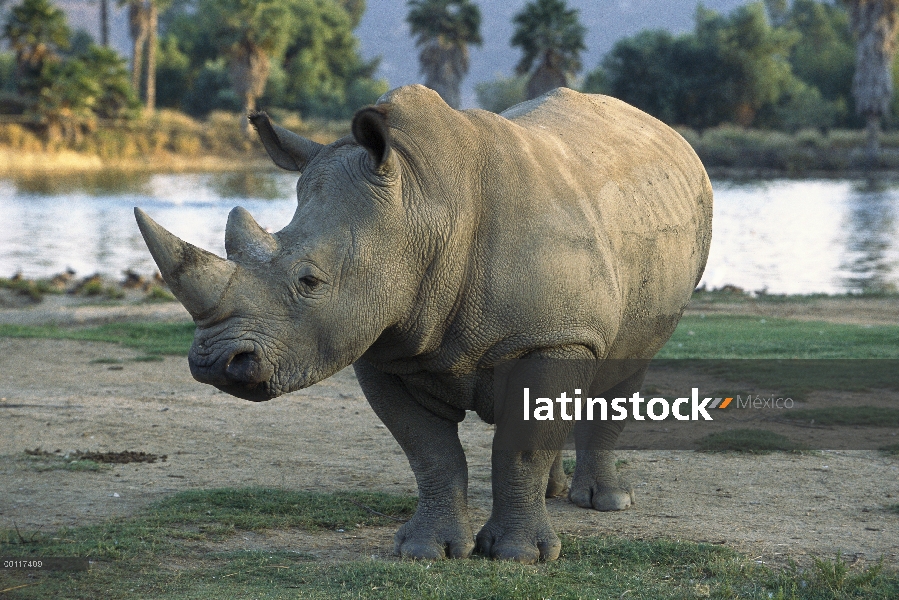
x=238, y=367
x=254, y=393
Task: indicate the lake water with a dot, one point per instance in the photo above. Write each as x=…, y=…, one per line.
x=783, y=236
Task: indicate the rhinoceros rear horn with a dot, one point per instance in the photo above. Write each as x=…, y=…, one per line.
x=246, y=240
x=371, y=131
x=287, y=149
x=197, y=278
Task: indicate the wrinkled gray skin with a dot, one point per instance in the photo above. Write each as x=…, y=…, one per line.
x=433, y=243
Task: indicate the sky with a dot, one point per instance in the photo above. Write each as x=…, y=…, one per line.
x=383, y=32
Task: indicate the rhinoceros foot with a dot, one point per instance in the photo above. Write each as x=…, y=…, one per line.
x=521, y=541
x=599, y=496
x=422, y=538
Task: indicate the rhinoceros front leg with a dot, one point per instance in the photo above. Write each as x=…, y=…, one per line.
x=440, y=526
x=525, y=452
x=595, y=481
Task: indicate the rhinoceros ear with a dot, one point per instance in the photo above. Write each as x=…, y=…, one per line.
x=287, y=149
x=371, y=131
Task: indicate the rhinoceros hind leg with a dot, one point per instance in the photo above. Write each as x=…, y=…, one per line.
x=595, y=482
x=601, y=497
x=558, y=480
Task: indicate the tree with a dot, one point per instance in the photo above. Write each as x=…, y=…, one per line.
x=732, y=68
x=115, y=99
x=501, y=93
x=322, y=72
x=250, y=33
x=317, y=69
x=104, y=22
x=139, y=28
x=143, y=20
x=550, y=36
x=354, y=9
x=445, y=29
x=37, y=31
x=754, y=55
x=875, y=24
x=67, y=91
x=778, y=12
x=824, y=56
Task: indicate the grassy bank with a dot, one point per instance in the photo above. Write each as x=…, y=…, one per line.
x=732, y=150
x=179, y=549
x=172, y=141
x=166, y=141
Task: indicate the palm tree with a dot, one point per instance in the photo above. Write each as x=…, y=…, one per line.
x=445, y=28
x=36, y=31
x=139, y=26
x=251, y=33
x=152, y=42
x=875, y=24
x=143, y=18
x=104, y=22
x=551, y=36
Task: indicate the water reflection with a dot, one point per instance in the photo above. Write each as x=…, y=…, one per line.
x=870, y=226
x=245, y=185
x=88, y=225
x=781, y=236
x=101, y=183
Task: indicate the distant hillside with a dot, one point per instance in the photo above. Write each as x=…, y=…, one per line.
x=383, y=32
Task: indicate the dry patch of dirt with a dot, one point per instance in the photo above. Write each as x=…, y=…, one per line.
x=56, y=396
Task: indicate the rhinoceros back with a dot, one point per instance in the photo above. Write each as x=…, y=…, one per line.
x=639, y=189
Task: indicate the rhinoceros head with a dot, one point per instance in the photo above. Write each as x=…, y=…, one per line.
x=289, y=309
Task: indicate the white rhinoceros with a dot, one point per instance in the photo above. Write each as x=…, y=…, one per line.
x=432, y=244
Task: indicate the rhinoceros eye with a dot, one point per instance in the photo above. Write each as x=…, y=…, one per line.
x=310, y=282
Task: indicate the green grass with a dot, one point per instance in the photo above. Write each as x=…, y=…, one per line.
x=159, y=294
x=715, y=340
x=715, y=336
x=748, y=441
x=872, y=416
x=35, y=290
x=213, y=514
x=170, y=552
x=150, y=338
x=726, y=336
x=712, y=337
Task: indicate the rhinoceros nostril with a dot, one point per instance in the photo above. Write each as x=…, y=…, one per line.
x=245, y=367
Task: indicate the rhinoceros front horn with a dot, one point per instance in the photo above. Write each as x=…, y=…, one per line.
x=197, y=278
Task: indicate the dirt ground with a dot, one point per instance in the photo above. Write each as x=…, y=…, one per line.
x=67, y=396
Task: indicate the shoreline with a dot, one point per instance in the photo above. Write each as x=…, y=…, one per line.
x=15, y=164
x=120, y=302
